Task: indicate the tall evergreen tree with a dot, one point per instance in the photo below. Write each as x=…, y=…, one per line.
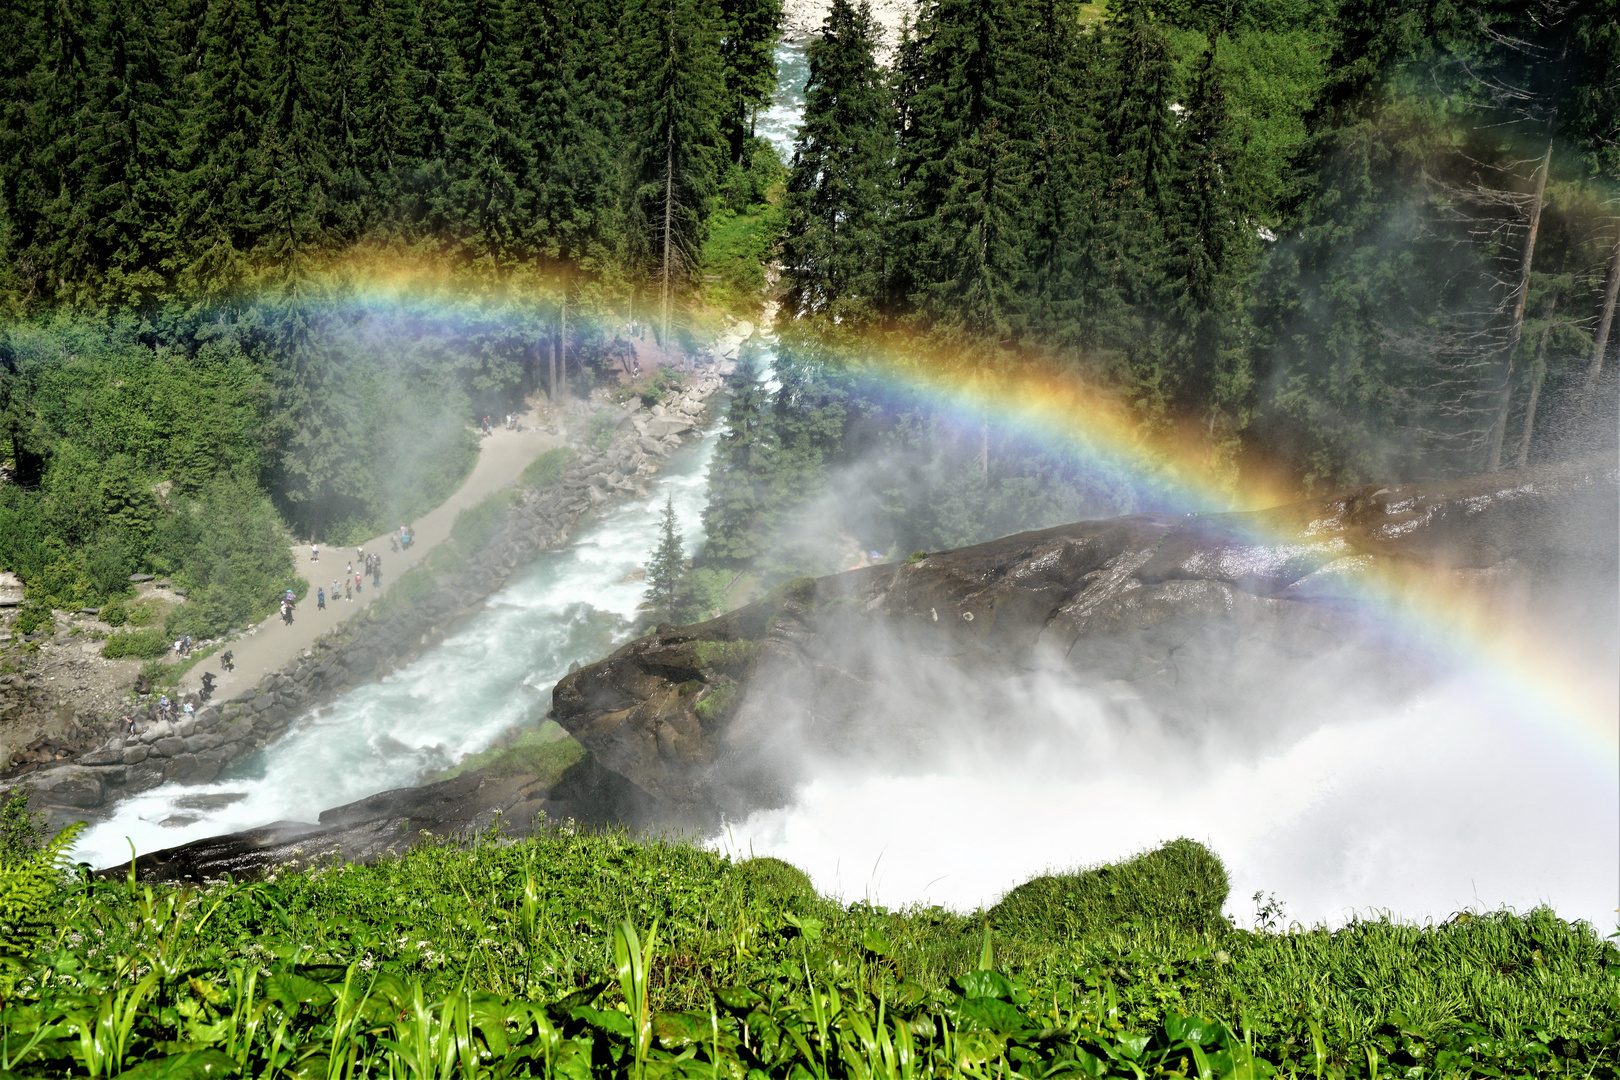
x=749, y=32
x=737, y=518
x=485, y=142
x=840, y=179
x=666, y=565
x=124, y=156
x=678, y=145
x=292, y=165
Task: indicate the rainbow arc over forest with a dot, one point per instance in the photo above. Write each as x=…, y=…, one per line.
x=1167, y=469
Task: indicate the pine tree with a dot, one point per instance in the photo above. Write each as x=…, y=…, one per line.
x=966, y=163
x=679, y=88
x=748, y=36
x=1208, y=248
x=839, y=182
x=1055, y=168
x=666, y=566
x=1139, y=136
x=737, y=519
x=125, y=154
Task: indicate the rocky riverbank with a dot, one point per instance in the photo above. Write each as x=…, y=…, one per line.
x=630, y=443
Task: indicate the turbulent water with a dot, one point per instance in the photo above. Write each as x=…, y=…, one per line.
x=493, y=673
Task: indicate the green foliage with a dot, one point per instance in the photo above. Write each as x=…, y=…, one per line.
x=144, y=612
x=31, y=874
x=475, y=525
x=410, y=588
x=1181, y=885
x=722, y=692
x=578, y=954
x=22, y=831
x=547, y=468
x=665, y=565
x=731, y=657
x=33, y=618
x=663, y=383
x=704, y=592
x=142, y=644
x=114, y=613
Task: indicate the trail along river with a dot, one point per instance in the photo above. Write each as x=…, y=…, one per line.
x=494, y=672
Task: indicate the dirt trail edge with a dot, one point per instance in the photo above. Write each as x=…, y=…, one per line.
x=270, y=646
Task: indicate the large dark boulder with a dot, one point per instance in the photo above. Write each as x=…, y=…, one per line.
x=1190, y=623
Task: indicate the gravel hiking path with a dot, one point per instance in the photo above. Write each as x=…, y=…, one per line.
x=270, y=646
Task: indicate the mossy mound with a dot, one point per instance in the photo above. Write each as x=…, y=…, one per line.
x=546, y=753
x=1181, y=885
x=776, y=884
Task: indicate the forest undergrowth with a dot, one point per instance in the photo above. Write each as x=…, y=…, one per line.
x=579, y=954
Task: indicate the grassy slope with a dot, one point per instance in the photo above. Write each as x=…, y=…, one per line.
x=748, y=968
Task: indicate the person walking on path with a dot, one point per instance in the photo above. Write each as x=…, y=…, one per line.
x=314, y=552
x=376, y=571
x=320, y=599
x=348, y=589
x=336, y=588
x=191, y=713
x=359, y=583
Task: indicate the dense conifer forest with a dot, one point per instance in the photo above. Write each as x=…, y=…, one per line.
x=1374, y=239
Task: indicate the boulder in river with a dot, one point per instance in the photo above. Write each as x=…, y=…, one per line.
x=1243, y=620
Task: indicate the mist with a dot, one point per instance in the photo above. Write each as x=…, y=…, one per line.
x=1369, y=770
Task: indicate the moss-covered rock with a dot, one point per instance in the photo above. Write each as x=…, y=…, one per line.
x=1182, y=885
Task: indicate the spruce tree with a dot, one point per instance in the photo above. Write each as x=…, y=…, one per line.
x=1207, y=246
x=666, y=565
x=678, y=146
x=120, y=228
x=292, y=166
x=737, y=519
x=839, y=182
x=748, y=35
x=966, y=163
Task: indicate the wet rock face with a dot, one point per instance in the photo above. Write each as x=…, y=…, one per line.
x=1187, y=620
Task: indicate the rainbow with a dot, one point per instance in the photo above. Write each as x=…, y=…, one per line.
x=1168, y=467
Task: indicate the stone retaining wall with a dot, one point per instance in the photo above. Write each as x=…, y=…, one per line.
x=376, y=640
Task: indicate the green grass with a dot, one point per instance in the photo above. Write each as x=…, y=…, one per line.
x=548, y=467
x=591, y=954
x=475, y=525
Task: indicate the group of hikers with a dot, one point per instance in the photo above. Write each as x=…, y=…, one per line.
x=509, y=422
x=354, y=581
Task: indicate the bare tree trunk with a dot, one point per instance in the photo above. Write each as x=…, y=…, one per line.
x=1600, y=343
x=669, y=226
x=1505, y=397
x=1537, y=374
